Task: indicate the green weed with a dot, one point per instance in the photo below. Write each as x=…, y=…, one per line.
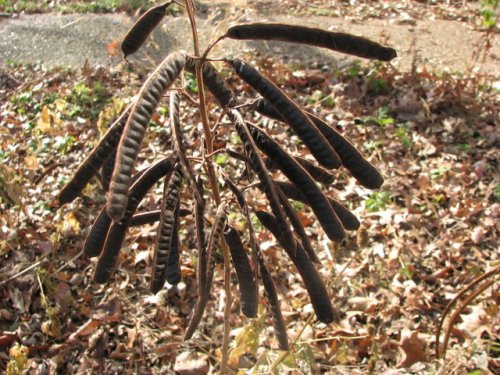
x=378, y=201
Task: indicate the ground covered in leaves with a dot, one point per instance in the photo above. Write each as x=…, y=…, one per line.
x=430, y=230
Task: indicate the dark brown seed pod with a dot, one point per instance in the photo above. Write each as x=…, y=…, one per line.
x=151, y=217
x=95, y=160
x=362, y=170
x=312, y=280
x=319, y=174
x=96, y=237
x=109, y=256
x=348, y=219
x=148, y=217
x=214, y=82
x=201, y=274
x=199, y=209
x=213, y=240
x=341, y=42
x=173, y=264
x=267, y=184
x=140, y=31
x=303, y=181
x=366, y=174
x=179, y=144
x=244, y=208
x=237, y=193
x=166, y=230
x=135, y=129
x=244, y=273
x=294, y=117
x=297, y=227
x=107, y=171
x=274, y=304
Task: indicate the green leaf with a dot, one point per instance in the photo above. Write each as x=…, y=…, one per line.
x=221, y=159
x=378, y=201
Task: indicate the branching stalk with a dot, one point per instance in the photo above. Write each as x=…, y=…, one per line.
x=213, y=184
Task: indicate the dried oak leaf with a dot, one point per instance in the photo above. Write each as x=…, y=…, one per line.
x=413, y=349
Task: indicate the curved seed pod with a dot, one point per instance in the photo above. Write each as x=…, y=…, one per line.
x=213, y=239
x=109, y=255
x=140, y=31
x=95, y=160
x=199, y=209
x=133, y=134
x=295, y=118
x=244, y=273
x=303, y=181
x=366, y=174
x=348, y=219
x=362, y=170
x=274, y=304
x=96, y=237
x=297, y=226
x=312, y=280
x=341, y=42
x=149, y=217
x=173, y=265
x=244, y=208
x=107, y=171
x=201, y=274
x=317, y=173
x=166, y=230
x=215, y=83
x=237, y=193
x=267, y=184
x=179, y=145
x=258, y=261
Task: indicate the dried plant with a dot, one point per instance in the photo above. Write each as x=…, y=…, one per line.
x=116, y=154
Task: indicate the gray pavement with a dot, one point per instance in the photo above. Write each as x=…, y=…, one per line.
x=71, y=40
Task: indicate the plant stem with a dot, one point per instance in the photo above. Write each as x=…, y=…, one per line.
x=213, y=185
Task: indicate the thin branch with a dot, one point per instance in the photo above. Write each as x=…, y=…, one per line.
x=213, y=185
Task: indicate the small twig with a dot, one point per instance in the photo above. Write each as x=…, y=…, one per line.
x=47, y=171
x=218, y=151
x=69, y=261
x=71, y=23
x=27, y=269
x=211, y=45
x=459, y=310
x=455, y=299
x=189, y=97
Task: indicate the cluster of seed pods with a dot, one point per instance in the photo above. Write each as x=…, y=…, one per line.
x=114, y=158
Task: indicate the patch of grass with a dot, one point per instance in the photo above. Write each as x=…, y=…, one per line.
x=488, y=13
x=102, y=6
x=402, y=133
x=381, y=118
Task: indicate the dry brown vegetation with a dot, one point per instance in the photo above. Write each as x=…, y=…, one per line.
x=430, y=230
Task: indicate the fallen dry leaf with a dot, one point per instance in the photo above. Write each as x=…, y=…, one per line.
x=413, y=349
x=188, y=363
